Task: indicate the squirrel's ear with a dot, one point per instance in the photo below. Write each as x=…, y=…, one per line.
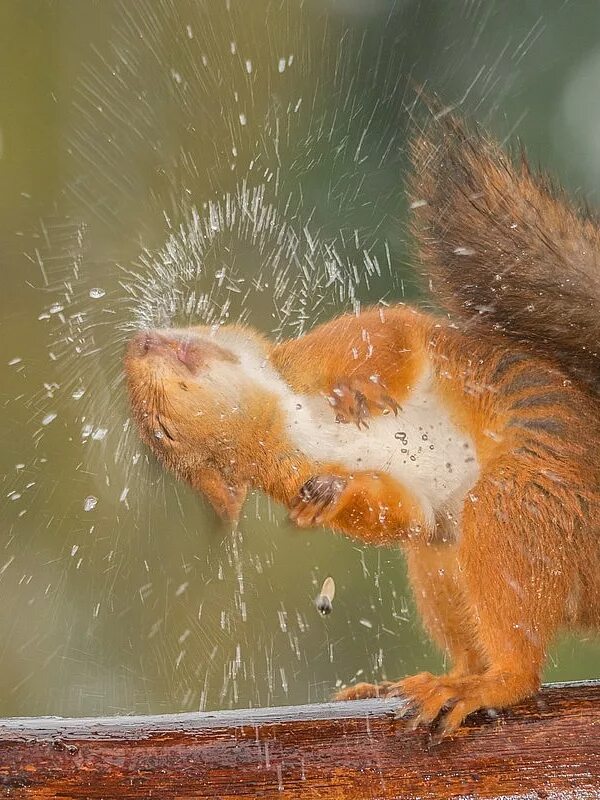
x=227, y=499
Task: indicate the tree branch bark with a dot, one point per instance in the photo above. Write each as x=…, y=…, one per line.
x=547, y=747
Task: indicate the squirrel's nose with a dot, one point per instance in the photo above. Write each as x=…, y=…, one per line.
x=148, y=341
x=186, y=348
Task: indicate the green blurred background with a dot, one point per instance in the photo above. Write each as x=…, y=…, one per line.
x=116, y=119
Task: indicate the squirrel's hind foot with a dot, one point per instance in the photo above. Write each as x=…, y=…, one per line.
x=443, y=702
x=430, y=700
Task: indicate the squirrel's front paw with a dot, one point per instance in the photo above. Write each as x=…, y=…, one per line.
x=356, y=399
x=318, y=500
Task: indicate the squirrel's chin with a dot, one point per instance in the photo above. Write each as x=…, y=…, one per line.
x=226, y=497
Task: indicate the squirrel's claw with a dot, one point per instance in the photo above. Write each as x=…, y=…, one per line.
x=357, y=399
x=439, y=702
x=317, y=500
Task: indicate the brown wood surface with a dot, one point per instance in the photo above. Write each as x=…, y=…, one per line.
x=548, y=747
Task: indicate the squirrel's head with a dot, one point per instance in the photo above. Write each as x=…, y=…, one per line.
x=199, y=407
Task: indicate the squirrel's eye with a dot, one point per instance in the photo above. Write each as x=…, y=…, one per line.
x=183, y=386
x=165, y=431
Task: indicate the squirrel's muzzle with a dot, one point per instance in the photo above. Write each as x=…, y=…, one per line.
x=171, y=347
x=174, y=348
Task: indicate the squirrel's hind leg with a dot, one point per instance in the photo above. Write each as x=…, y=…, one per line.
x=436, y=583
x=512, y=589
x=514, y=597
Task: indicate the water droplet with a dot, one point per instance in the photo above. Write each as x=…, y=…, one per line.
x=90, y=503
x=49, y=418
x=96, y=293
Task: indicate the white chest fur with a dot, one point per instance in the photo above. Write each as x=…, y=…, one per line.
x=421, y=447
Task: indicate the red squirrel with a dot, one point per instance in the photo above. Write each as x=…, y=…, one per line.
x=477, y=431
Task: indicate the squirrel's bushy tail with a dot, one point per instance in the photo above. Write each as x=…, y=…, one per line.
x=504, y=248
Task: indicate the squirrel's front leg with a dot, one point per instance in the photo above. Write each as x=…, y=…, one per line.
x=366, y=364
x=371, y=506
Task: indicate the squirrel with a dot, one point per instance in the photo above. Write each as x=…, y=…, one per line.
x=477, y=430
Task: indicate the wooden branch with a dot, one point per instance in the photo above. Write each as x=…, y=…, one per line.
x=548, y=747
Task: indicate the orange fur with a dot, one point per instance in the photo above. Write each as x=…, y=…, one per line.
x=497, y=567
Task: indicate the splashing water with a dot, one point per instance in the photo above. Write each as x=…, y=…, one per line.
x=198, y=277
